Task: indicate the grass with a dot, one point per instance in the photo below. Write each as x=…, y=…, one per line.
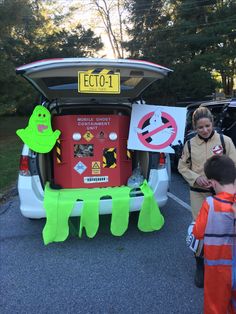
x=10, y=150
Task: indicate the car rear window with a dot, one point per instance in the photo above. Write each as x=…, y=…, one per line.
x=71, y=83
x=229, y=118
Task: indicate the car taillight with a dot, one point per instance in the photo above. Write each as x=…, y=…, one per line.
x=24, y=166
x=162, y=159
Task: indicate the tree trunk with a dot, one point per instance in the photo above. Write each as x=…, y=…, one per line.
x=228, y=84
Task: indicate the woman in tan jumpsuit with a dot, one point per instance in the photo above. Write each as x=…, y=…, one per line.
x=203, y=145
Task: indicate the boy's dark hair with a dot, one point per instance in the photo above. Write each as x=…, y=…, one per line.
x=221, y=169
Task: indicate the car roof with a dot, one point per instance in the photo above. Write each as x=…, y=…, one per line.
x=215, y=103
x=212, y=103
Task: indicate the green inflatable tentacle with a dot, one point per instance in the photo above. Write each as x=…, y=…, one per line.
x=58, y=205
x=150, y=217
x=50, y=204
x=120, y=211
x=66, y=202
x=90, y=215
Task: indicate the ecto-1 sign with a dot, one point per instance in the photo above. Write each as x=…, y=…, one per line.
x=104, y=82
x=156, y=128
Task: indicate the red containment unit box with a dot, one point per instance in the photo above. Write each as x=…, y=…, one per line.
x=91, y=151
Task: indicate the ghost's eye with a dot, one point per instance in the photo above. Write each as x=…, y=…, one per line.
x=44, y=115
x=39, y=115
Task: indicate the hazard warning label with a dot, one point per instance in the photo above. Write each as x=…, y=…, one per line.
x=80, y=167
x=96, y=167
x=109, y=158
x=88, y=136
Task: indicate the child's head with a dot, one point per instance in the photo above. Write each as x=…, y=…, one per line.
x=220, y=169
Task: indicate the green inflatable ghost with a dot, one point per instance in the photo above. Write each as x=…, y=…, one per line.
x=38, y=135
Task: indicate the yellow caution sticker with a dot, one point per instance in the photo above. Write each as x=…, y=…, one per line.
x=109, y=158
x=88, y=136
x=96, y=167
x=99, y=81
x=58, y=151
x=128, y=154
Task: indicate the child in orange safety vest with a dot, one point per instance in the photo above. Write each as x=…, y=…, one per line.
x=216, y=225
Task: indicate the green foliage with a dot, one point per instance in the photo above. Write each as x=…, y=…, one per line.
x=30, y=32
x=198, y=84
x=10, y=148
x=192, y=37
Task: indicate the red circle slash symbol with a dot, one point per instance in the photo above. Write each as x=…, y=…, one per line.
x=143, y=137
x=217, y=150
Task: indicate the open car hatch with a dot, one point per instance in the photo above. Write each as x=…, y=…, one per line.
x=89, y=77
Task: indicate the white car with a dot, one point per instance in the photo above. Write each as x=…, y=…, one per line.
x=57, y=81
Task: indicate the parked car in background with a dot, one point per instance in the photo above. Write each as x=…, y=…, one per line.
x=224, y=113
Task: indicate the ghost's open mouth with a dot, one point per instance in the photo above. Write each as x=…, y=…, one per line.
x=41, y=127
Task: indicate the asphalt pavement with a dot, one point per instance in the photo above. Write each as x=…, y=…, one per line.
x=136, y=273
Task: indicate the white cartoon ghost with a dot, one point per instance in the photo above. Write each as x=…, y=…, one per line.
x=154, y=123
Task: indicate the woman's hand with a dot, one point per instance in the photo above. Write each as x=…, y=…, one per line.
x=203, y=181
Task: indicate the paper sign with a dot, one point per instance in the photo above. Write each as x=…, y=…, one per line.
x=104, y=82
x=156, y=128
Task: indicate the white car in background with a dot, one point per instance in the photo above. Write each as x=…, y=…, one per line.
x=57, y=81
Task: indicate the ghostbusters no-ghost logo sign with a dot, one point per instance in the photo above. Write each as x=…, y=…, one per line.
x=217, y=150
x=153, y=135
x=156, y=128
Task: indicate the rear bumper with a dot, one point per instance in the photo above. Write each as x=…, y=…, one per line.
x=31, y=196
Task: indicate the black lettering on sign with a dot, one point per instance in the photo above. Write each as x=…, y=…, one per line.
x=102, y=81
x=110, y=81
x=90, y=81
x=86, y=80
